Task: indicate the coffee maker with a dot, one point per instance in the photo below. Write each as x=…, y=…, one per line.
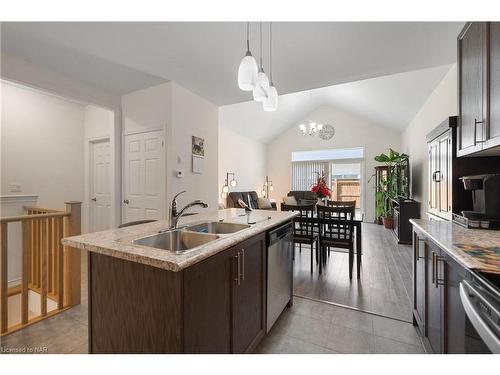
x=485, y=190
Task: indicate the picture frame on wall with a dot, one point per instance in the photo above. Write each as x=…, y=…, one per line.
x=198, y=146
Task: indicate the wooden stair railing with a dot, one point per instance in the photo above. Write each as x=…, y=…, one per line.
x=48, y=268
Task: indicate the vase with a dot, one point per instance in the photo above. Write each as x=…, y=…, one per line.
x=388, y=222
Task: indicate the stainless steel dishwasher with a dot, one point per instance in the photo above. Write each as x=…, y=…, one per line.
x=279, y=272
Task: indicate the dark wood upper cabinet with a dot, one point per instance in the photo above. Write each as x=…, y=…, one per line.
x=479, y=89
x=471, y=71
x=493, y=136
x=249, y=296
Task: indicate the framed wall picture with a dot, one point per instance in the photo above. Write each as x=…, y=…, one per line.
x=198, y=146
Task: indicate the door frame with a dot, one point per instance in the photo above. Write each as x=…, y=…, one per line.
x=123, y=174
x=91, y=142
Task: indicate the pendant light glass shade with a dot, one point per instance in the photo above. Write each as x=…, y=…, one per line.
x=271, y=102
x=247, y=72
x=261, y=87
x=248, y=69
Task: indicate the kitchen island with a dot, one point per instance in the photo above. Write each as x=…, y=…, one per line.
x=210, y=298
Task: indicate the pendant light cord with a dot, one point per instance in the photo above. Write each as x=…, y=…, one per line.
x=248, y=36
x=261, y=46
x=271, y=51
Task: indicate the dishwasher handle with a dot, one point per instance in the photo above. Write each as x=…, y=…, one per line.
x=279, y=233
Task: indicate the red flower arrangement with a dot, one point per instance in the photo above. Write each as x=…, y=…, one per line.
x=321, y=186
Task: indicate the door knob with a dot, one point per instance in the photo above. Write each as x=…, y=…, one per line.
x=94, y=199
x=126, y=201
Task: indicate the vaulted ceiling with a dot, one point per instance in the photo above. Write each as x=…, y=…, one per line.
x=390, y=101
x=204, y=56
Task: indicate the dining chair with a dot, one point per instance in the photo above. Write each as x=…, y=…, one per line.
x=304, y=228
x=336, y=231
x=332, y=203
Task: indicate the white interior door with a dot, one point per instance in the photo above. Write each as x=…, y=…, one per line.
x=144, y=188
x=100, y=185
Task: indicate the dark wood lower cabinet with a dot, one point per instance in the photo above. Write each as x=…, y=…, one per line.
x=454, y=314
x=215, y=306
x=248, y=308
x=207, y=305
x=419, y=281
x=434, y=298
x=437, y=309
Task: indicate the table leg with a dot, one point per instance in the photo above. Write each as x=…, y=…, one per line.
x=358, y=249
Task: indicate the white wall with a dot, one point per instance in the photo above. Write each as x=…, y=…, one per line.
x=350, y=131
x=441, y=104
x=180, y=114
x=42, y=145
x=193, y=115
x=245, y=157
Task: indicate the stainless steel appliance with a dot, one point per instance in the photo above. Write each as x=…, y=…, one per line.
x=279, y=272
x=481, y=301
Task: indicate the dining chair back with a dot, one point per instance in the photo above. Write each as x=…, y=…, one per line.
x=332, y=203
x=336, y=230
x=304, y=227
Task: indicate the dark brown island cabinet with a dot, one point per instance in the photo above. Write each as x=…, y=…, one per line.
x=437, y=309
x=215, y=306
x=479, y=89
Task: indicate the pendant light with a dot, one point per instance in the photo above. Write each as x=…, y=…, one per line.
x=270, y=104
x=262, y=82
x=247, y=72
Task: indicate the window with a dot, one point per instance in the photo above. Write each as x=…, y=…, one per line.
x=304, y=173
x=343, y=169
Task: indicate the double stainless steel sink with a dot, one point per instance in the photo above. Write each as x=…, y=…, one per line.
x=189, y=238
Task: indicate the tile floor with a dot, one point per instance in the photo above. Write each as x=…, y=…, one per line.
x=311, y=327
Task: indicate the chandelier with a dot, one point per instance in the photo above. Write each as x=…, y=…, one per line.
x=324, y=131
x=310, y=129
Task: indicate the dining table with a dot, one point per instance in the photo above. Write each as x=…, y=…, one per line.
x=356, y=222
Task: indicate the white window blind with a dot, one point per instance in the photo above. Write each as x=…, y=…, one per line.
x=305, y=173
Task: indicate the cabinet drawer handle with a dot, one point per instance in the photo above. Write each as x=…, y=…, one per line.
x=242, y=264
x=237, y=278
x=476, y=123
x=434, y=269
x=437, y=173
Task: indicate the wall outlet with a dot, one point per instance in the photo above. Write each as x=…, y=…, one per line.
x=15, y=188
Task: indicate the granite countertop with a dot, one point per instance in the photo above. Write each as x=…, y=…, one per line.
x=476, y=249
x=118, y=242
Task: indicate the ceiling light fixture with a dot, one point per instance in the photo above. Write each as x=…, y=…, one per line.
x=270, y=104
x=247, y=71
x=262, y=82
x=312, y=129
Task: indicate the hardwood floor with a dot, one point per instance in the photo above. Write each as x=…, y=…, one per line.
x=307, y=327
x=385, y=286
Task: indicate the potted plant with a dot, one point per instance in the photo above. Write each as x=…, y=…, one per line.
x=321, y=186
x=388, y=185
